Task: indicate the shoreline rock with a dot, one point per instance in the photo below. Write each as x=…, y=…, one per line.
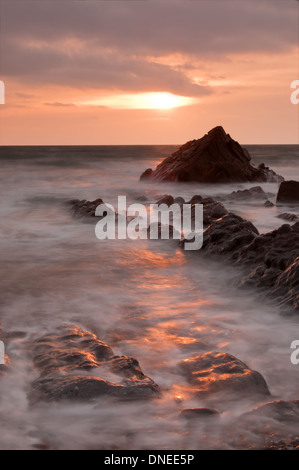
x=214, y=158
x=218, y=372
x=75, y=365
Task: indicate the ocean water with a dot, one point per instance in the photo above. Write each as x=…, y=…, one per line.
x=146, y=299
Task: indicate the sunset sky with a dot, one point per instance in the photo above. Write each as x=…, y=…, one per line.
x=147, y=71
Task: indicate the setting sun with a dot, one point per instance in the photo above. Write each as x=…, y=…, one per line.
x=151, y=100
x=166, y=100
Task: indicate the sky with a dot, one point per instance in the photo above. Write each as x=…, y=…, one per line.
x=82, y=72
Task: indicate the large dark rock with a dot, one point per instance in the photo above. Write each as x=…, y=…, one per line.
x=288, y=192
x=228, y=235
x=75, y=365
x=213, y=372
x=215, y=158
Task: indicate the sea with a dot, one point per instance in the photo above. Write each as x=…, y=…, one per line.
x=145, y=298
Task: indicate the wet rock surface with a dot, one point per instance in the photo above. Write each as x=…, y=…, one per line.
x=214, y=372
x=83, y=209
x=75, y=365
x=215, y=158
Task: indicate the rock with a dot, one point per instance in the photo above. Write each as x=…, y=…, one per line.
x=197, y=199
x=84, y=209
x=248, y=194
x=212, y=211
x=75, y=365
x=167, y=199
x=215, y=158
x=289, y=217
x=281, y=411
x=179, y=200
x=288, y=192
x=268, y=204
x=158, y=231
x=146, y=174
x=269, y=261
x=272, y=259
x=214, y=372
x=286, y=286
x=228, y=235
x=199, y=413
x=142, y=198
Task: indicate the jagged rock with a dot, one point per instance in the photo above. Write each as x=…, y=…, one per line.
x=167, y=199
x=215, y=158
x=248, y=194
x=268, y=204
x=289, y=217
x=228, y=235
x=269, y=261
x=84, y=209
x=213, y=372
x=146, y=174
x=212, y=210
x=64, y=358
x=273, y=262
x=288, y=192
x=179, y=200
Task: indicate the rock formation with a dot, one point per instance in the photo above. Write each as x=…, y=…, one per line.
x=215, y=158
x=66, y=360
x=213, y=372
x=288, y=192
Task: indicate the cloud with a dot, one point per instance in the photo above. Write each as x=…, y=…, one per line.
x=57, y=104
x=112, y=45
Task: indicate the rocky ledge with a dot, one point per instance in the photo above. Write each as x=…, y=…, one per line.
x=219, y=372
x=269, y=261
x=75, y=365
x=215, y=158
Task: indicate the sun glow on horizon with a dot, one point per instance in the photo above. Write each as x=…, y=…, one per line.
x=151, y=100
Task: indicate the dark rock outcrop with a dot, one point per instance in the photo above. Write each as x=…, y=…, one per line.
x=215, y=158
x=214, y=372
x=212, y=209
x=146, y=175
x=166, y=199
x=289, y=217
x=288, y=192
x=248, y=194
x=84, y=209
x=75, y=365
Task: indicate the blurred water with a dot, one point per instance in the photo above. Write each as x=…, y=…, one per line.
x=145, y=299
